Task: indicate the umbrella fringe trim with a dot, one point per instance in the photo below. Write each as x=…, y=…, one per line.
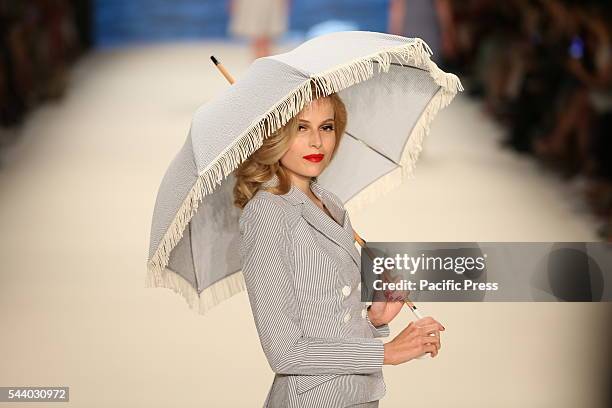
x=373, y=192
x=414, y=145
x=334, y=80
x=209, y=298
x=416, y=52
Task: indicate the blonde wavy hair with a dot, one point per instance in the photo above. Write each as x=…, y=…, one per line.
x=265, y=161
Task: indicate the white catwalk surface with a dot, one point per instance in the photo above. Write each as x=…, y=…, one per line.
x=77, y=196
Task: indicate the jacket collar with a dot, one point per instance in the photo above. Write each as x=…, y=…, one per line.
x=339, y=231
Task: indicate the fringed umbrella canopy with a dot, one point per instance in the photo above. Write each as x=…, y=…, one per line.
x=392, y=91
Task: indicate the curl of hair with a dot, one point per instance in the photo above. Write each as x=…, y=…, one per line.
x=264, y=163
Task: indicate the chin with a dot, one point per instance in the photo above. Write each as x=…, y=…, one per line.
x=315, y=171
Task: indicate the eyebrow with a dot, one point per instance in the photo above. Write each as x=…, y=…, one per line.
x=326, y=120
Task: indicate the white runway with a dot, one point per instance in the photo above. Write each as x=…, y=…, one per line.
x=77, y=194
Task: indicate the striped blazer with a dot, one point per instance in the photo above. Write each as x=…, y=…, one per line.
x=302, y=273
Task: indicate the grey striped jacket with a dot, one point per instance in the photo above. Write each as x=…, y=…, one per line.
x=302, y=273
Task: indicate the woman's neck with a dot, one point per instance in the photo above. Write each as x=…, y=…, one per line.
x=303, y=183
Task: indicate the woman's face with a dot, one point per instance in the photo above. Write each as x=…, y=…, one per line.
x=311, y=149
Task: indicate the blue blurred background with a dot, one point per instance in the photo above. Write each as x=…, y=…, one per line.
x=118, y=22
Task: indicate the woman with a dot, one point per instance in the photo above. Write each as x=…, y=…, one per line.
x=302, y=273
x=260, y=21
x=431, y=20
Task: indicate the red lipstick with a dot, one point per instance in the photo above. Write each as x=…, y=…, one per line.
x=314, y=157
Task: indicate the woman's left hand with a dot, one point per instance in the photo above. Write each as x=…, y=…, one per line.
x=383, y=311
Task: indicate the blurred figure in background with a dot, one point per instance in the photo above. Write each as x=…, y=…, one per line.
x=544, y=71
x=260, y=21
x=430, y=20
x=39, y=41
x=588, y=67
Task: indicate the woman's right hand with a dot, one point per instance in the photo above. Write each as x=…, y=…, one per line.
x=414, y=341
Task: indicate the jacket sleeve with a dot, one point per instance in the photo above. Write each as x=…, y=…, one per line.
x=378, y=331
x=268, y=273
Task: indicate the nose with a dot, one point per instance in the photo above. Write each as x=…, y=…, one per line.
x=315, y=139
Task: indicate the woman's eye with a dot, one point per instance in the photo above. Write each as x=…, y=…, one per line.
x=328, y=127
x=300, y=127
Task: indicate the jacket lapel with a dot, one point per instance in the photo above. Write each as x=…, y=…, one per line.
x=330, y=228
x=338, y=231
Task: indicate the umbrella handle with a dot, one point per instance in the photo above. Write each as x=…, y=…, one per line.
x=221, y=68
x=359, y=240
x=407, y=301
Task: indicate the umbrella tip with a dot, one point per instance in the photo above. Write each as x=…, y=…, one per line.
x=214, y=60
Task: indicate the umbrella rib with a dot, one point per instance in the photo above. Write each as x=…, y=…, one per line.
x=395, y=64
x=351, y=135
x=382, y=154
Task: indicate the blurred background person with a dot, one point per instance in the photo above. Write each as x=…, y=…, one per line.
x=260, y=21
x=39, y=41
x=431, y=20
x=543, y=69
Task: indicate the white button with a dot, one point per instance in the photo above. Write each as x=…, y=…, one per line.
x=359, y=286
x=364, y=313
x=346, y=290
x=347, y=317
